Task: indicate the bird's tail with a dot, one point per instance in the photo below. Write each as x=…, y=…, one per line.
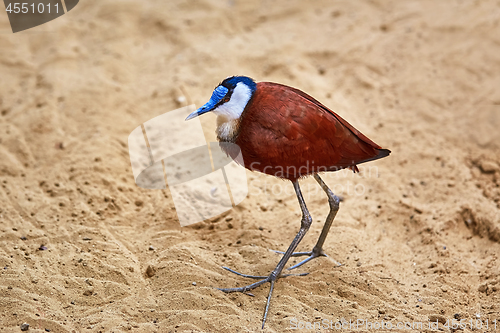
x=381, y=154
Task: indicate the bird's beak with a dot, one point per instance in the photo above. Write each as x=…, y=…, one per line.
x=204, y=109
x=217, y=95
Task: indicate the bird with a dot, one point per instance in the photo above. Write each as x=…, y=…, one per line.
x=283, y=132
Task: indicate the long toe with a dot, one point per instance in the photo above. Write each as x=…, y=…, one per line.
x=313, y=254
x=257, y=277
x=260, y=277
x=295, y=254
x=245, y=288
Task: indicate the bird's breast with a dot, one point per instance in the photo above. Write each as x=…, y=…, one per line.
x=226, y=129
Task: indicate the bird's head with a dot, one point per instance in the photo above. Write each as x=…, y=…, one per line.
x=229, y=98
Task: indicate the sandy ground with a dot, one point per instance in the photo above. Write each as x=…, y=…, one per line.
x=418, y=234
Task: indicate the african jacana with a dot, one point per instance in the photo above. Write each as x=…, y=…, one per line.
x=284, y=132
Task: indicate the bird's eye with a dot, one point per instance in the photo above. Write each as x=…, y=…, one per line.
x=225, y=99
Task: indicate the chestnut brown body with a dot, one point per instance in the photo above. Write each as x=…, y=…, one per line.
x=288, y=134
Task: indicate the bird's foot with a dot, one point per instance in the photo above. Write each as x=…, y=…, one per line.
x=315, y=253
x=263, y=279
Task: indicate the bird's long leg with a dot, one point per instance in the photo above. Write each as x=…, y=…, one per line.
x=305, y=223
x=317, y=251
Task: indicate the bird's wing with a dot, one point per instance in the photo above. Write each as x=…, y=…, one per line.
x=311, y=99
x=287, y=126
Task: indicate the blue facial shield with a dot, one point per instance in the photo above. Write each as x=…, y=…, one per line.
x=217, y=96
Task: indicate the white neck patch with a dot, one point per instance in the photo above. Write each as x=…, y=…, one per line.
x=229, y=113
x=233, y=109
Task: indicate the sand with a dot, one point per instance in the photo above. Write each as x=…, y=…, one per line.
x=417, y=234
